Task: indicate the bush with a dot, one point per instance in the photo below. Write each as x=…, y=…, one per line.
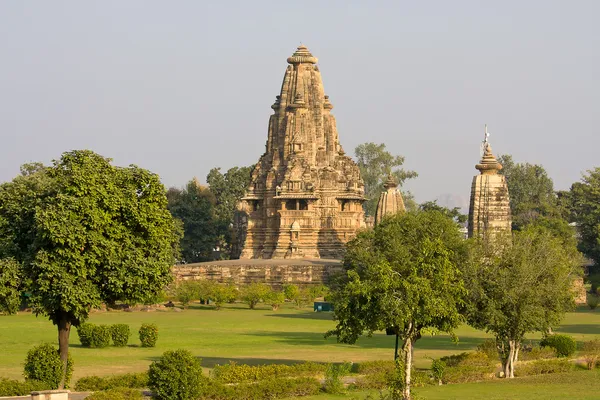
x=536, y=353
x=275, y=299
x=272, y=388
x=591, y=353
x=95, y=383
x=438, y=368
x=223, y=293
x=148, y=335
x=84, y=331
x=539, y=367
x=100, y=336
x=468, y=367
x=254, y=293
x=10, y=387
x=186, y=292
x=177, y=375
x=333, y=373
x=43, y=364
x=564, y=345
x=120, y=334
x=489, y=348
x=592, y=301
x=239, y=373
x=117, y=394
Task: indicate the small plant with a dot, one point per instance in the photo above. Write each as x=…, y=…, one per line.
x=437, y=370
x=177, y=375
x=148, y=335
x=254, y=294
x=10, y=387
x=591, y=353
x=101, y=335
x=117, y=394
x=275, y=299
x=43, y=364
x=120, y=334
x=95, y=383
x=564, y=345
x=333, y=374
x=593, y=301
x=186, y=292
x=84, y=331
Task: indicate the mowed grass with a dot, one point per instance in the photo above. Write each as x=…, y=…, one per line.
x=238, y=334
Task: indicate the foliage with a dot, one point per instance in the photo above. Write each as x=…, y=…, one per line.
x=10, y=387
x=591, y=353
x=239, y=373
x=87, y=232
x=43, y=364
x=317, y=291
x=584, y=199
x=375, y=163
x=592, y=301
x=148, y=334
x=101, y=335
x=117, y=394
x=270, y=388
x=489, y=348
x=520, y=286
x=223, y=293
x=85, y=332
x=564, y=345
x=536, y=353
x=94, y=383
x=120, y=334
x=402, y=274
x=438, y=368
x=186, y=292
x=275, y=299
x=291, y=291
x=539, y=367
x=254, y=293
x=10, y=286
x=333, y=377
x=454, y=213
x=194, y=207
x=176, y=375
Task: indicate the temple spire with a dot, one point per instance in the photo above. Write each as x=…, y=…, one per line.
x=390, y=200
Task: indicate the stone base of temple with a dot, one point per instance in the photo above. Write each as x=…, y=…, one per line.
x=276, y=273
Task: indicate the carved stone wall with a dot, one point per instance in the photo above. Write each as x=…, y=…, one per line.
x=305, y=197
x=272, y=272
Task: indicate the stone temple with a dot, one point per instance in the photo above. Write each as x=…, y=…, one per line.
x=305, y=197
x=489, y=208
x=390, y=200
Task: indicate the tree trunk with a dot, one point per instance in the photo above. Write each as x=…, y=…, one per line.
x=64, y=328
x=408, y=355
x=509, y=363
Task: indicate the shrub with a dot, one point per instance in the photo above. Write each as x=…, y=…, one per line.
x=148, y=335
x=591, y=353
x=177, y=375
x=536, y=353
x=94, y=383
x=467, y=367
x=275, y=299
x=333, y=373
x=10, y=387
x=120, y=334
x=317, y=291
x=223, y=293
x=489, y=348
x=43, y=364
x=539, y=367
x=272, y=388
x=437, y=370
x=291, y=292
x=186, y=292
x=239, y=373
x=116, y=394
x=254, y=293
x=100, y=336
x=592, y=301
x=564, y=345
x=84, y=331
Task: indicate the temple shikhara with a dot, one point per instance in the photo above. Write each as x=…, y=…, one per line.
x=489, y=208
x=305, y=198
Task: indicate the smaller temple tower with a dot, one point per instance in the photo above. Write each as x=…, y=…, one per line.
x=390, y=200
x=489, y=208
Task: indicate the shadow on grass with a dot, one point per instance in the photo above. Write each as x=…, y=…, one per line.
x=587, y=329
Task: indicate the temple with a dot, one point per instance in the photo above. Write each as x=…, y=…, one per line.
x=305, y=196
x=390, y=200
x=489, y=208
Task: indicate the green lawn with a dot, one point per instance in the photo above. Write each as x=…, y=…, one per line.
x=236, y=333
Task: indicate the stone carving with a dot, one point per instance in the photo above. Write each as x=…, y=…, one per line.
x=489, y=208
x=304, y=179
x=390, y=200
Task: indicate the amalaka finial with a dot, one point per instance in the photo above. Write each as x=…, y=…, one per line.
x=488, y=163
x=390, y=182
x=302, y=56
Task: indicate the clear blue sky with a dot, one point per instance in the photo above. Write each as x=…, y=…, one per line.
x=179, y=87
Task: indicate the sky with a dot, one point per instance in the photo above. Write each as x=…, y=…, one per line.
x=180, y=87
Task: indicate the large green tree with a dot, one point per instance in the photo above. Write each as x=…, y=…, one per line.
x=403, y=275
x=584, y=202
x=228, y=189
x=375, y=164
x=85, y=232
x=194, y=207
x=520, y=285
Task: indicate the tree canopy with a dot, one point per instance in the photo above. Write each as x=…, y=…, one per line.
x=402, y=275
x=584, y=202
x=85, y=232
x=520, y=285
x=375, y=164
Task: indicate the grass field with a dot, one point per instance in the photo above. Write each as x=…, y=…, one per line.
x=258, y=336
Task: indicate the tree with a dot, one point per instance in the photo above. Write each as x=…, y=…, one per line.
x=86, y=232
x=454, y=213
x=402, y=276
x=375, y=163
x=254, y=293
x=194, y=207
x=584, y=199
x=520, y=286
